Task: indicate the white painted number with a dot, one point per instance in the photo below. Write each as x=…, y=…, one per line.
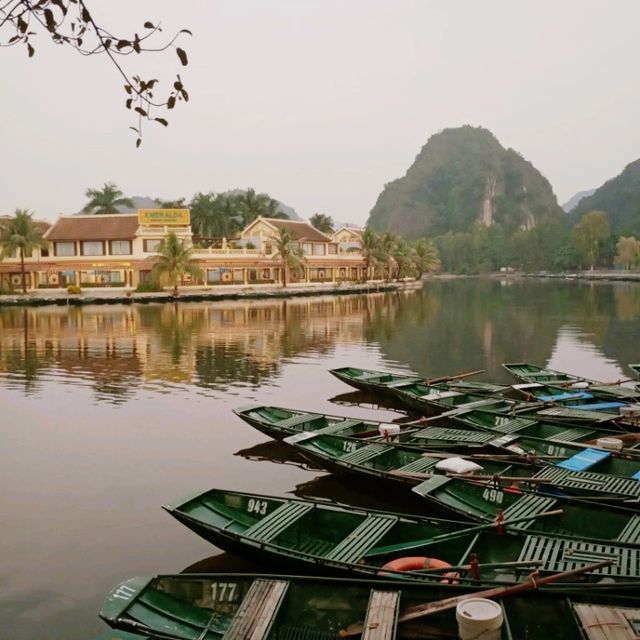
x=349, y=447
x=223, y=591
x=493, y=495
x=124, y=592
x=257, y=506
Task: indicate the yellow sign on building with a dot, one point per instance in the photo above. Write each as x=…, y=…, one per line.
x=169, y=217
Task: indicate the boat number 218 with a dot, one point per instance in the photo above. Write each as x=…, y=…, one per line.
x=257, y=506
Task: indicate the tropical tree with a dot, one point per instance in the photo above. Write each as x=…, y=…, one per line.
x=288, y=253
x=370, y=248
x=322, y=222
x=106, y=200
x=426, y=256
x=178, y=203
x=214, y=216
x=252, y=205
x=174, y=261
x=590, y=235
x=627, y=252
x=20, y=235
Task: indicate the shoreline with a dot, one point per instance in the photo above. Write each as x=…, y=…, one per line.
x=200, y=294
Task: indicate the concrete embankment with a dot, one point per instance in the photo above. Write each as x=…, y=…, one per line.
x=199, y=294
x=602, y=276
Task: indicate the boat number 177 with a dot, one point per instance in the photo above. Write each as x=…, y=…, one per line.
x=257, y=506
x=223, y=591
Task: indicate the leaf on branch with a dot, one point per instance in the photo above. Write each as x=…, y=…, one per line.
x=22, y=24
x=149, y=25
x=107, y=43
x=86, y=16
x=50, y=20
x=134, y=129
x=62, y=5
x=171, y=102
x=138, y=142
x=162, y=121
x=136, y=43
x=30, y=49
x=128, y=103
x=12, y=40
x=122, y=44
x=141, y=111
x=183, y=56
x=127, y=88
x=185, y=31
x=185, y=95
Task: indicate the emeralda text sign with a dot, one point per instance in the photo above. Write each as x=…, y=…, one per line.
x=170, y=217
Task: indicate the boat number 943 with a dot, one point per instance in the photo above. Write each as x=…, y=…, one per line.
x=257, y=506
x=493, y=495
x=223, y=591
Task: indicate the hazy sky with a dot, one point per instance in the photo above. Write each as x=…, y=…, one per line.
x=320, y=103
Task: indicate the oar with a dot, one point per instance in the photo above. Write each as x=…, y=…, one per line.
x=379, y=551
x=460, y=376
x=486, y=565
x=423, y=610
x=477, y=479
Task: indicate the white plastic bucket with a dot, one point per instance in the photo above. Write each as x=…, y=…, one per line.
x=389, y=430
x=479, y=619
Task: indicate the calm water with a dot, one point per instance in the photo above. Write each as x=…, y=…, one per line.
x=108, y=412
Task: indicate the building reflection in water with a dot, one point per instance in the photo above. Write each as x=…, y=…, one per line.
x=116, y=350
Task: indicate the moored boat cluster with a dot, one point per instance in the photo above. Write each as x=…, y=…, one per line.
x=540, y=483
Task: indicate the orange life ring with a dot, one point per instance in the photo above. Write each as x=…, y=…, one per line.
x=415, y=563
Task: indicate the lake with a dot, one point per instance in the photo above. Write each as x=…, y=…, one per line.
x=108, y=412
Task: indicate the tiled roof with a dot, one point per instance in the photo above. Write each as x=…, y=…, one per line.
x=299, y=230
x=104, y=227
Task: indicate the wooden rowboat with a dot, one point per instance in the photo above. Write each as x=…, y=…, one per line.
x=238, y=607
x=336, y=539
x=526, y=372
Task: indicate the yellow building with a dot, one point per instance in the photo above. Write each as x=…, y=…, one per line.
x=118, y=250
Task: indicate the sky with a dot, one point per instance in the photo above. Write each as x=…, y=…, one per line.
x=320, y=103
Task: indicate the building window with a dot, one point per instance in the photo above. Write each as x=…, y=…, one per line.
x=92, y=248
x=65, y=248
x=318, y=249
x=152, y=246
x=333, y=249
x=120, y=247
x=44, y=252
x=307, y=248
x=268, y=249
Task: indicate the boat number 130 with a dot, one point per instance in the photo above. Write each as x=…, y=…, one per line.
x=257, y=506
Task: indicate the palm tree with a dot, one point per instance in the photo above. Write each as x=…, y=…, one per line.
x=322, y=222
x=288, y=253
x=426, y=256
x=175, y=261
x=20, y=235
x=106, y=200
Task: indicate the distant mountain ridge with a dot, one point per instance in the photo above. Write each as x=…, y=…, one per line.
x=620, y=198
x=461, y=177
x=575, y=200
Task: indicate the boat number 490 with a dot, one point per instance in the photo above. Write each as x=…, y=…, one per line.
x=257, y=506
x=223, y=591
x=493, y=495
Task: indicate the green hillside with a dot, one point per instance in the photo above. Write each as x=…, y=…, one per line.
x=461, y=177
x=620, y=198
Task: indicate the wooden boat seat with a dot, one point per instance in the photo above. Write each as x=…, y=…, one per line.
x=572, y=413
x=514, y=424
x=608, y=623
x=528, y=505
x=584, y=459
x=258, y=610
x=452, y=435
x=337, y=427
x=601, y=482
x=420, y=465
x=369, y=376
x=361, y=539
x=572, y=435
x=296, y=421
x=403, y=383
x=440, y=395
x=631, y=532
x=560, y=554
x=430, y=485
x=363, y=454
x=382, y=615
x=272, y=525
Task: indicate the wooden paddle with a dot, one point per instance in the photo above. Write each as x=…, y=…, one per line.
x=423, y=610
x=460, y=376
